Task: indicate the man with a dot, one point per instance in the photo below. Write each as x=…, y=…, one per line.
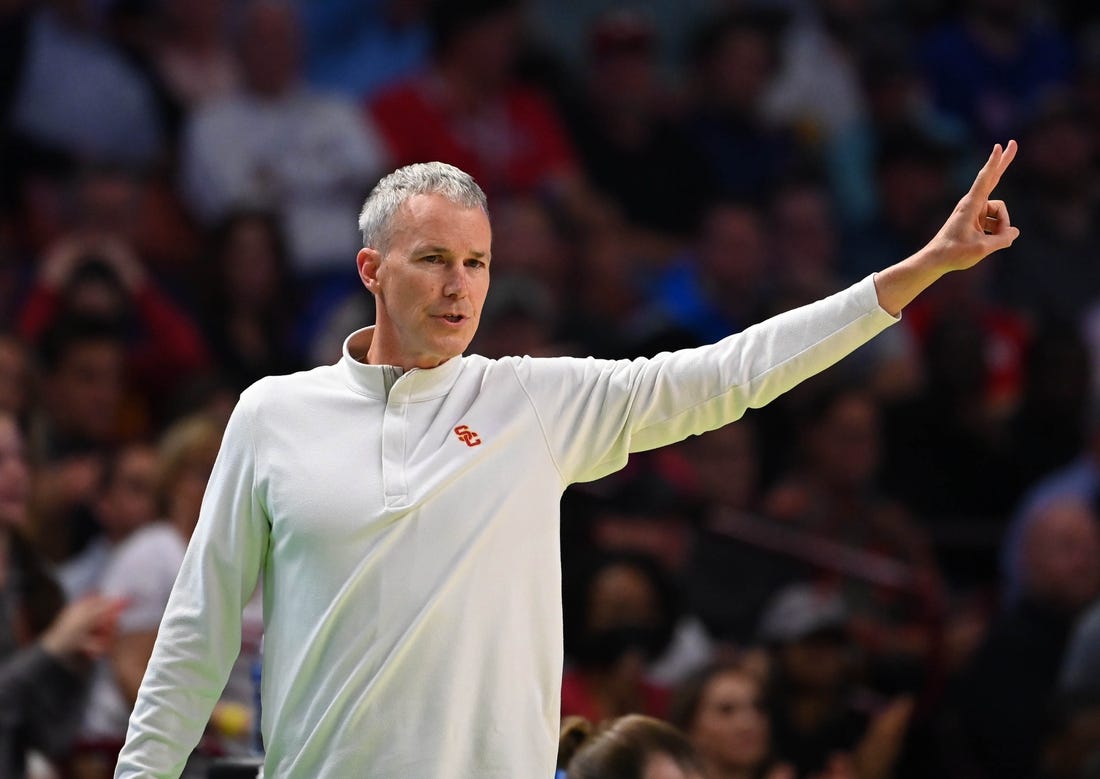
x=402, y=504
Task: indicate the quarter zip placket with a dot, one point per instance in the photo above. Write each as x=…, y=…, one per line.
x=395, y=422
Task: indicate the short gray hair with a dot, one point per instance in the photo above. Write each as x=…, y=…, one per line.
x=422, y=178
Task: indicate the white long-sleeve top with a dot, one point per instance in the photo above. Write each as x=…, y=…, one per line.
x=406, y=526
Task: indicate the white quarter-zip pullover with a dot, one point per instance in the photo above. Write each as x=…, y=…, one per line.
x=406, y=526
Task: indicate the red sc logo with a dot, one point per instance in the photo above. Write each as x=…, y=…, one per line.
x=468, y=436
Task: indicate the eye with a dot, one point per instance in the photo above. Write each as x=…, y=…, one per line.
x=475, y=264
x=433, y=258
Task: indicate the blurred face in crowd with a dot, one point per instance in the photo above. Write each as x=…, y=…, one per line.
x=803, y=232
x=15, y=478
x=128, y=500
x=85, y=390
x=725, y=464
x=1058, y=150
x=1062, y=555
x=846, y=442
x=527, y=242
x=740, y=68
x=730, y=729
x=270, y=48
x=816, y=663
x=109, y=204
x=732, y=247
x=487, y=49
x=430, y=283
x=251, y=265
x=622, y=595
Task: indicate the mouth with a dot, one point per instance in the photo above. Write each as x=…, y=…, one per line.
x=454, y=319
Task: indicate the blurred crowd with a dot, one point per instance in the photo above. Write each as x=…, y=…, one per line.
x=892, y=571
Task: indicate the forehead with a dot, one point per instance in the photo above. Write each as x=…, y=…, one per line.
x=434, y=220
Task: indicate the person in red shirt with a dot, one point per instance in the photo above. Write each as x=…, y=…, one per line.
x=467, y=108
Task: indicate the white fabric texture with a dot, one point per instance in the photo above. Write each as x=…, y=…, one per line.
x=406, y=528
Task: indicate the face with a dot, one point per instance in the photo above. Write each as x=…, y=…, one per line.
x=622, y=595
x=733, y=247
x=86, y=390
x=14, y=475
x=1062, y=555
x=430, y=284
x=251, y=264
x=816, y=663
x=847, y=442
x=725, y=464
x=270, y=48
x=129, y=501
x=731, y=729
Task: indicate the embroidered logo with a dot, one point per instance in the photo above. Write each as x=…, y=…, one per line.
x=468, y=436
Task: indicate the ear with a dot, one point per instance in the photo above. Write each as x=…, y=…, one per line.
x=368, y=262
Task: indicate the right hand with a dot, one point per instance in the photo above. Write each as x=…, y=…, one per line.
x=84, y=628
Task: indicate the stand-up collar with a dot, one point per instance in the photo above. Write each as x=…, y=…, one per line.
x=389, y=382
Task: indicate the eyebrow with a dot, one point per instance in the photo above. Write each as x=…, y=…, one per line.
x=445, y=250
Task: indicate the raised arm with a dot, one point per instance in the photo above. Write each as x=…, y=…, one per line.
x=976, y=228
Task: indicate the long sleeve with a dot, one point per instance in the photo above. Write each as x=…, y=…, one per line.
x=594, y=413
x=200, y=635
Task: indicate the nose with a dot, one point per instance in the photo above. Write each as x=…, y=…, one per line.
x=456, y=284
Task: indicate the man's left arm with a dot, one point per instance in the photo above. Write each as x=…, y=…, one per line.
x=595, y=412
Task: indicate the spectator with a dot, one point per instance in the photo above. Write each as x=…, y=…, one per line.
x=719, y=287
x=632, y=145
x=194, y=55
x=76, y=95
x=103, y=280
x=124, y=502
x=1060, y=575
x=250, y=300
x=912, y=183
x=277, y=144
x=631, y=747
x=880, y=558
x=358, y=49
x=721, y=709
x=806, y=244
x=78, y=420
x=467, y=108
x=1051, y=422
x=1078, y=480
x=947, y=426
x=993, y=63
x=735, y=61
x=619, y=617
x=1058, y=197
x=45, y=646
x=818, y=714
x=730, y=553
